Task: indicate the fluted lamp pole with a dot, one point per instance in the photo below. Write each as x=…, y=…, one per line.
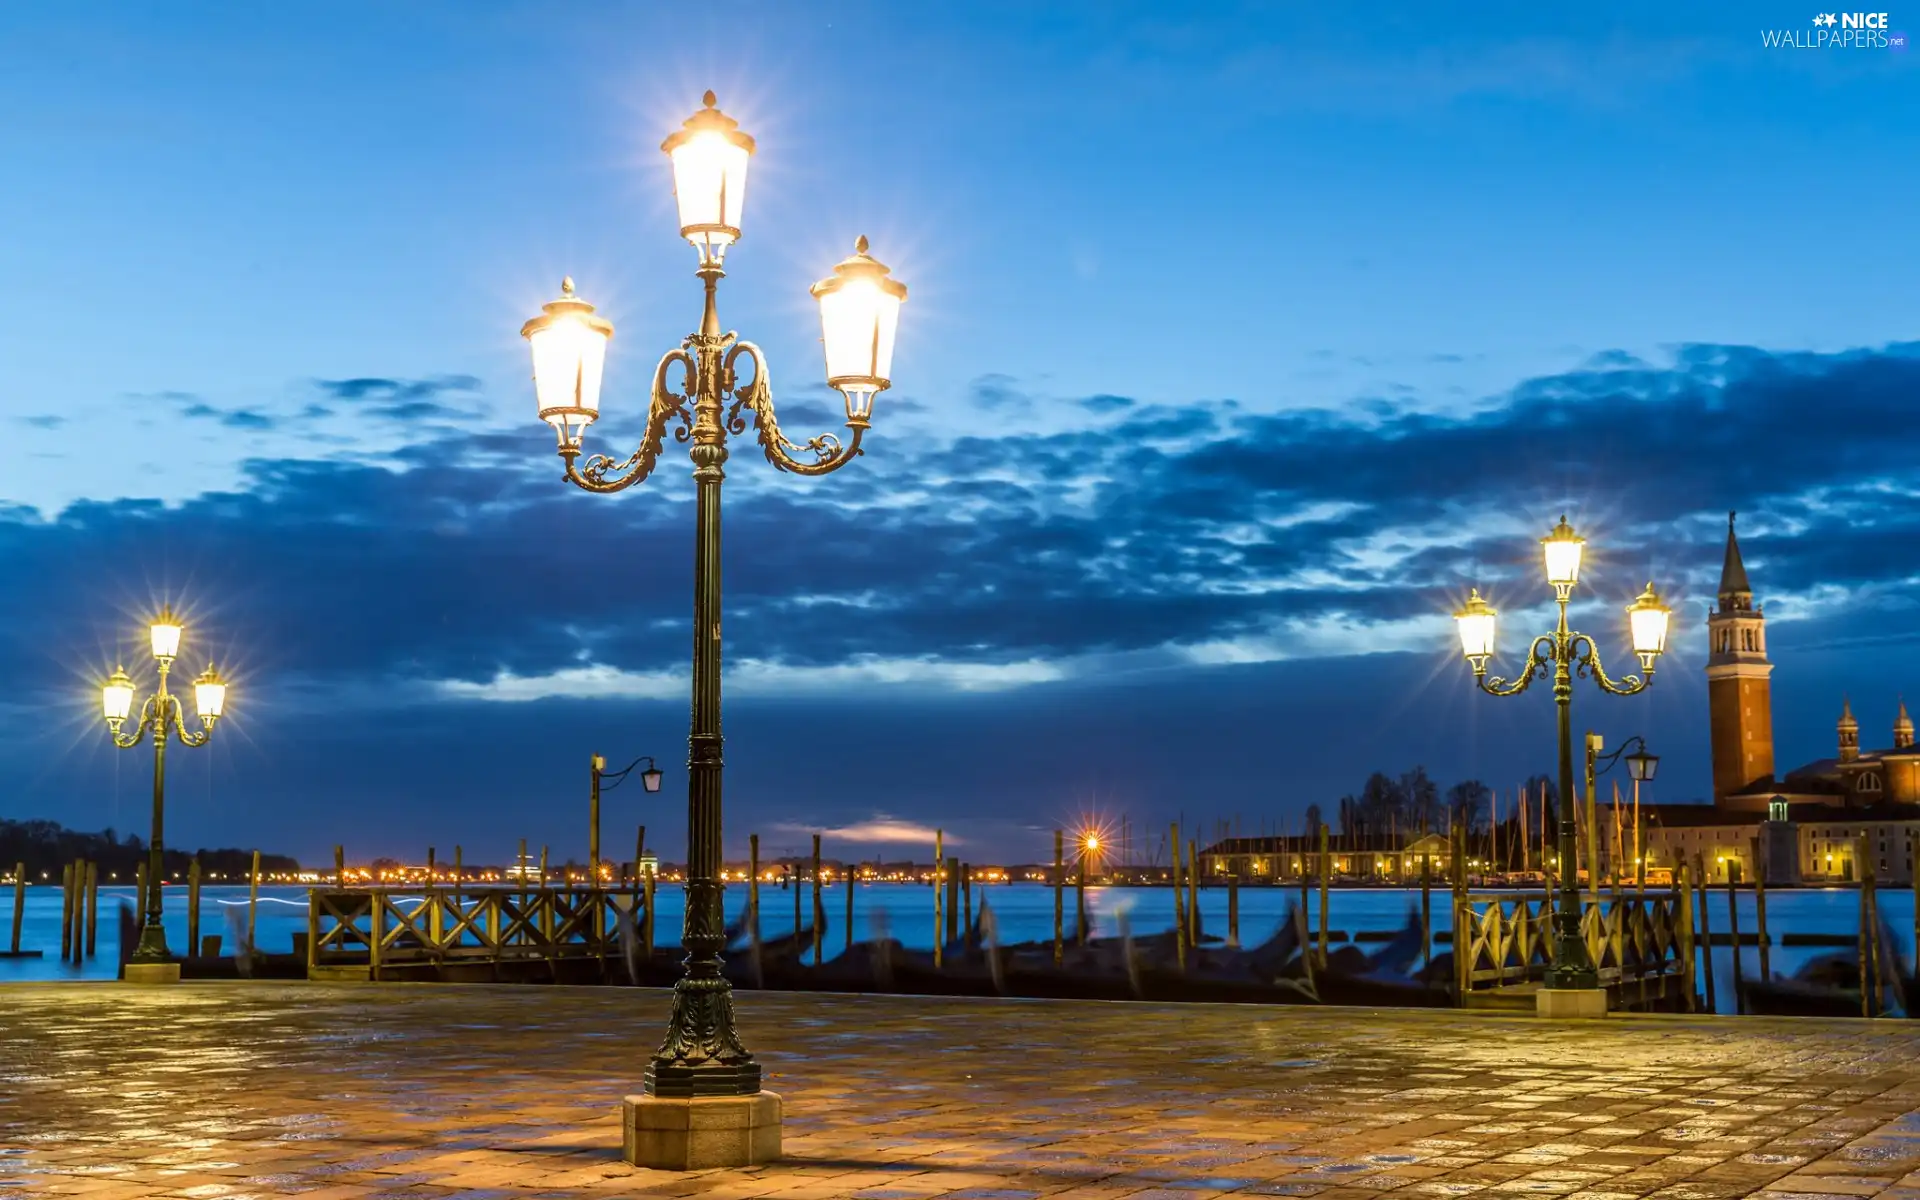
x=1566, y=653
x=162, y=717
x=723, y=386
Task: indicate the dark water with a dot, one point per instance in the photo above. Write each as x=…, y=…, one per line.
x=1023, y=912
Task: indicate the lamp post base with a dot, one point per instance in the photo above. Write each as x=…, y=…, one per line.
x=152, y=972
x=701, y=1132
x=1570, y=1004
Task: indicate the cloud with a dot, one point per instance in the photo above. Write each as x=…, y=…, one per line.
x=879, y=830
x=1170, y=537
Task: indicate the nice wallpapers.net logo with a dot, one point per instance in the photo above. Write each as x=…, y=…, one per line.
x=1838, y=31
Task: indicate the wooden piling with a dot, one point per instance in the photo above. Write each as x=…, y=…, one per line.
x=1706, y=931
x=340, y=867
x=753, y=882
x=1326, y=869
x=66, y=912
x=953, y=899
x=1683, y=888
x=79, y=907
x=1193, y=895
x=1733, y=926
x=646, y=923
x=1881, y=971
x=193, y=906
x=1760, y=910
x=19, y=904
x=793, y=879
x=1426, y=912
x=966, y=899
x=1059, y=897
x=819, y=911
x=940, y=898
x=140, y=904
x=640, y=852
x=1080, y=900
x=1868, y=1006
x=848, y=922
x=253, y=902
x=1233, y=905
x=431, y=866
x=93, y=906
x=546, y=901
x=1179, y=901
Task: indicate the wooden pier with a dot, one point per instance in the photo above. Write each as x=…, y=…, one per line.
x=1641, y=944
x=557, y=934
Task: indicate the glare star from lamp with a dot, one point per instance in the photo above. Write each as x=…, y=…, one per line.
x=1566, y=653
x=703, y=1069
x=161, y=716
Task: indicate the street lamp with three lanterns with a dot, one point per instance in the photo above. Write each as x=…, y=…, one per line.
x=162, y=716
x=1566, y=653
x=723, y=385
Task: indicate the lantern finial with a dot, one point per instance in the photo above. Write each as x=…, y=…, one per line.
x=566, y=286
x=709, y=99
x=860, y=244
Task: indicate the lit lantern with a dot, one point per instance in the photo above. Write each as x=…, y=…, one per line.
x=209, y=695
x=569, y=361
x=1476, y=624
x=710, y=157
x=116, y=697
x=165, y=633
x=1647, y=620
x=1562, y=551
x=859, y=316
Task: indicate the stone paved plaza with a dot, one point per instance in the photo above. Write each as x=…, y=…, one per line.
x=231, y=1091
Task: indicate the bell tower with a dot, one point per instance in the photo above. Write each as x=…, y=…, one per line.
x=1739, y=696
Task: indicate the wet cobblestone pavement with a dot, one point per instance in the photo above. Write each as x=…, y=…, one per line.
x=230, y=1092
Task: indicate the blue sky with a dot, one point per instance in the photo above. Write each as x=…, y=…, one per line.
x=1241, y=339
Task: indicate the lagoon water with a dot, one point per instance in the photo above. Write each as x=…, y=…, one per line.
x=1023, y=912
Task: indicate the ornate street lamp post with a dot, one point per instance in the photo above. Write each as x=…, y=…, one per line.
x=1567, y=653
x=605, y=781
x=161, y=716
x=1640, y=766
x=703, y=1057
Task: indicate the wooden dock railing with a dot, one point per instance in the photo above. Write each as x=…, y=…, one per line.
x=1641, y=945
x=363, y=932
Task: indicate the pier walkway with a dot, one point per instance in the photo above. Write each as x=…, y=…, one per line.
x=345, y=1092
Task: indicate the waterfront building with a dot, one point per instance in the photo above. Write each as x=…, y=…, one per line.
x=1810, y=824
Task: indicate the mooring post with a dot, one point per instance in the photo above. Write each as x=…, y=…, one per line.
x=253, y=904
x=753, y=885
x=1233, y=904
x=193, y=907
x=1179, y=901
x=851, y=874
x=340, y=867
x=1059, y=897
x=66, y=912
x=1426, y=913
x=1706, y=930
x=1080, y=900
x=93, y=906
x=19, y=902
x=966, y=901
x=940, y=897
x=1760, y=910
x=1195, y=926
x=819, y=910
x=1326, y=869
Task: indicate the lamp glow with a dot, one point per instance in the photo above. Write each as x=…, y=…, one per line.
x=1561, y=549
x=1476, y=623
x=859, y=318
x=569, y=348
x=116, y=696
x=710, y=157
x=1647, y=620
x=209, y=695
x=165, y=635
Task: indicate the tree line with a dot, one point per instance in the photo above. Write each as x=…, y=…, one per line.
x=1391, y=810
x=47, y=846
